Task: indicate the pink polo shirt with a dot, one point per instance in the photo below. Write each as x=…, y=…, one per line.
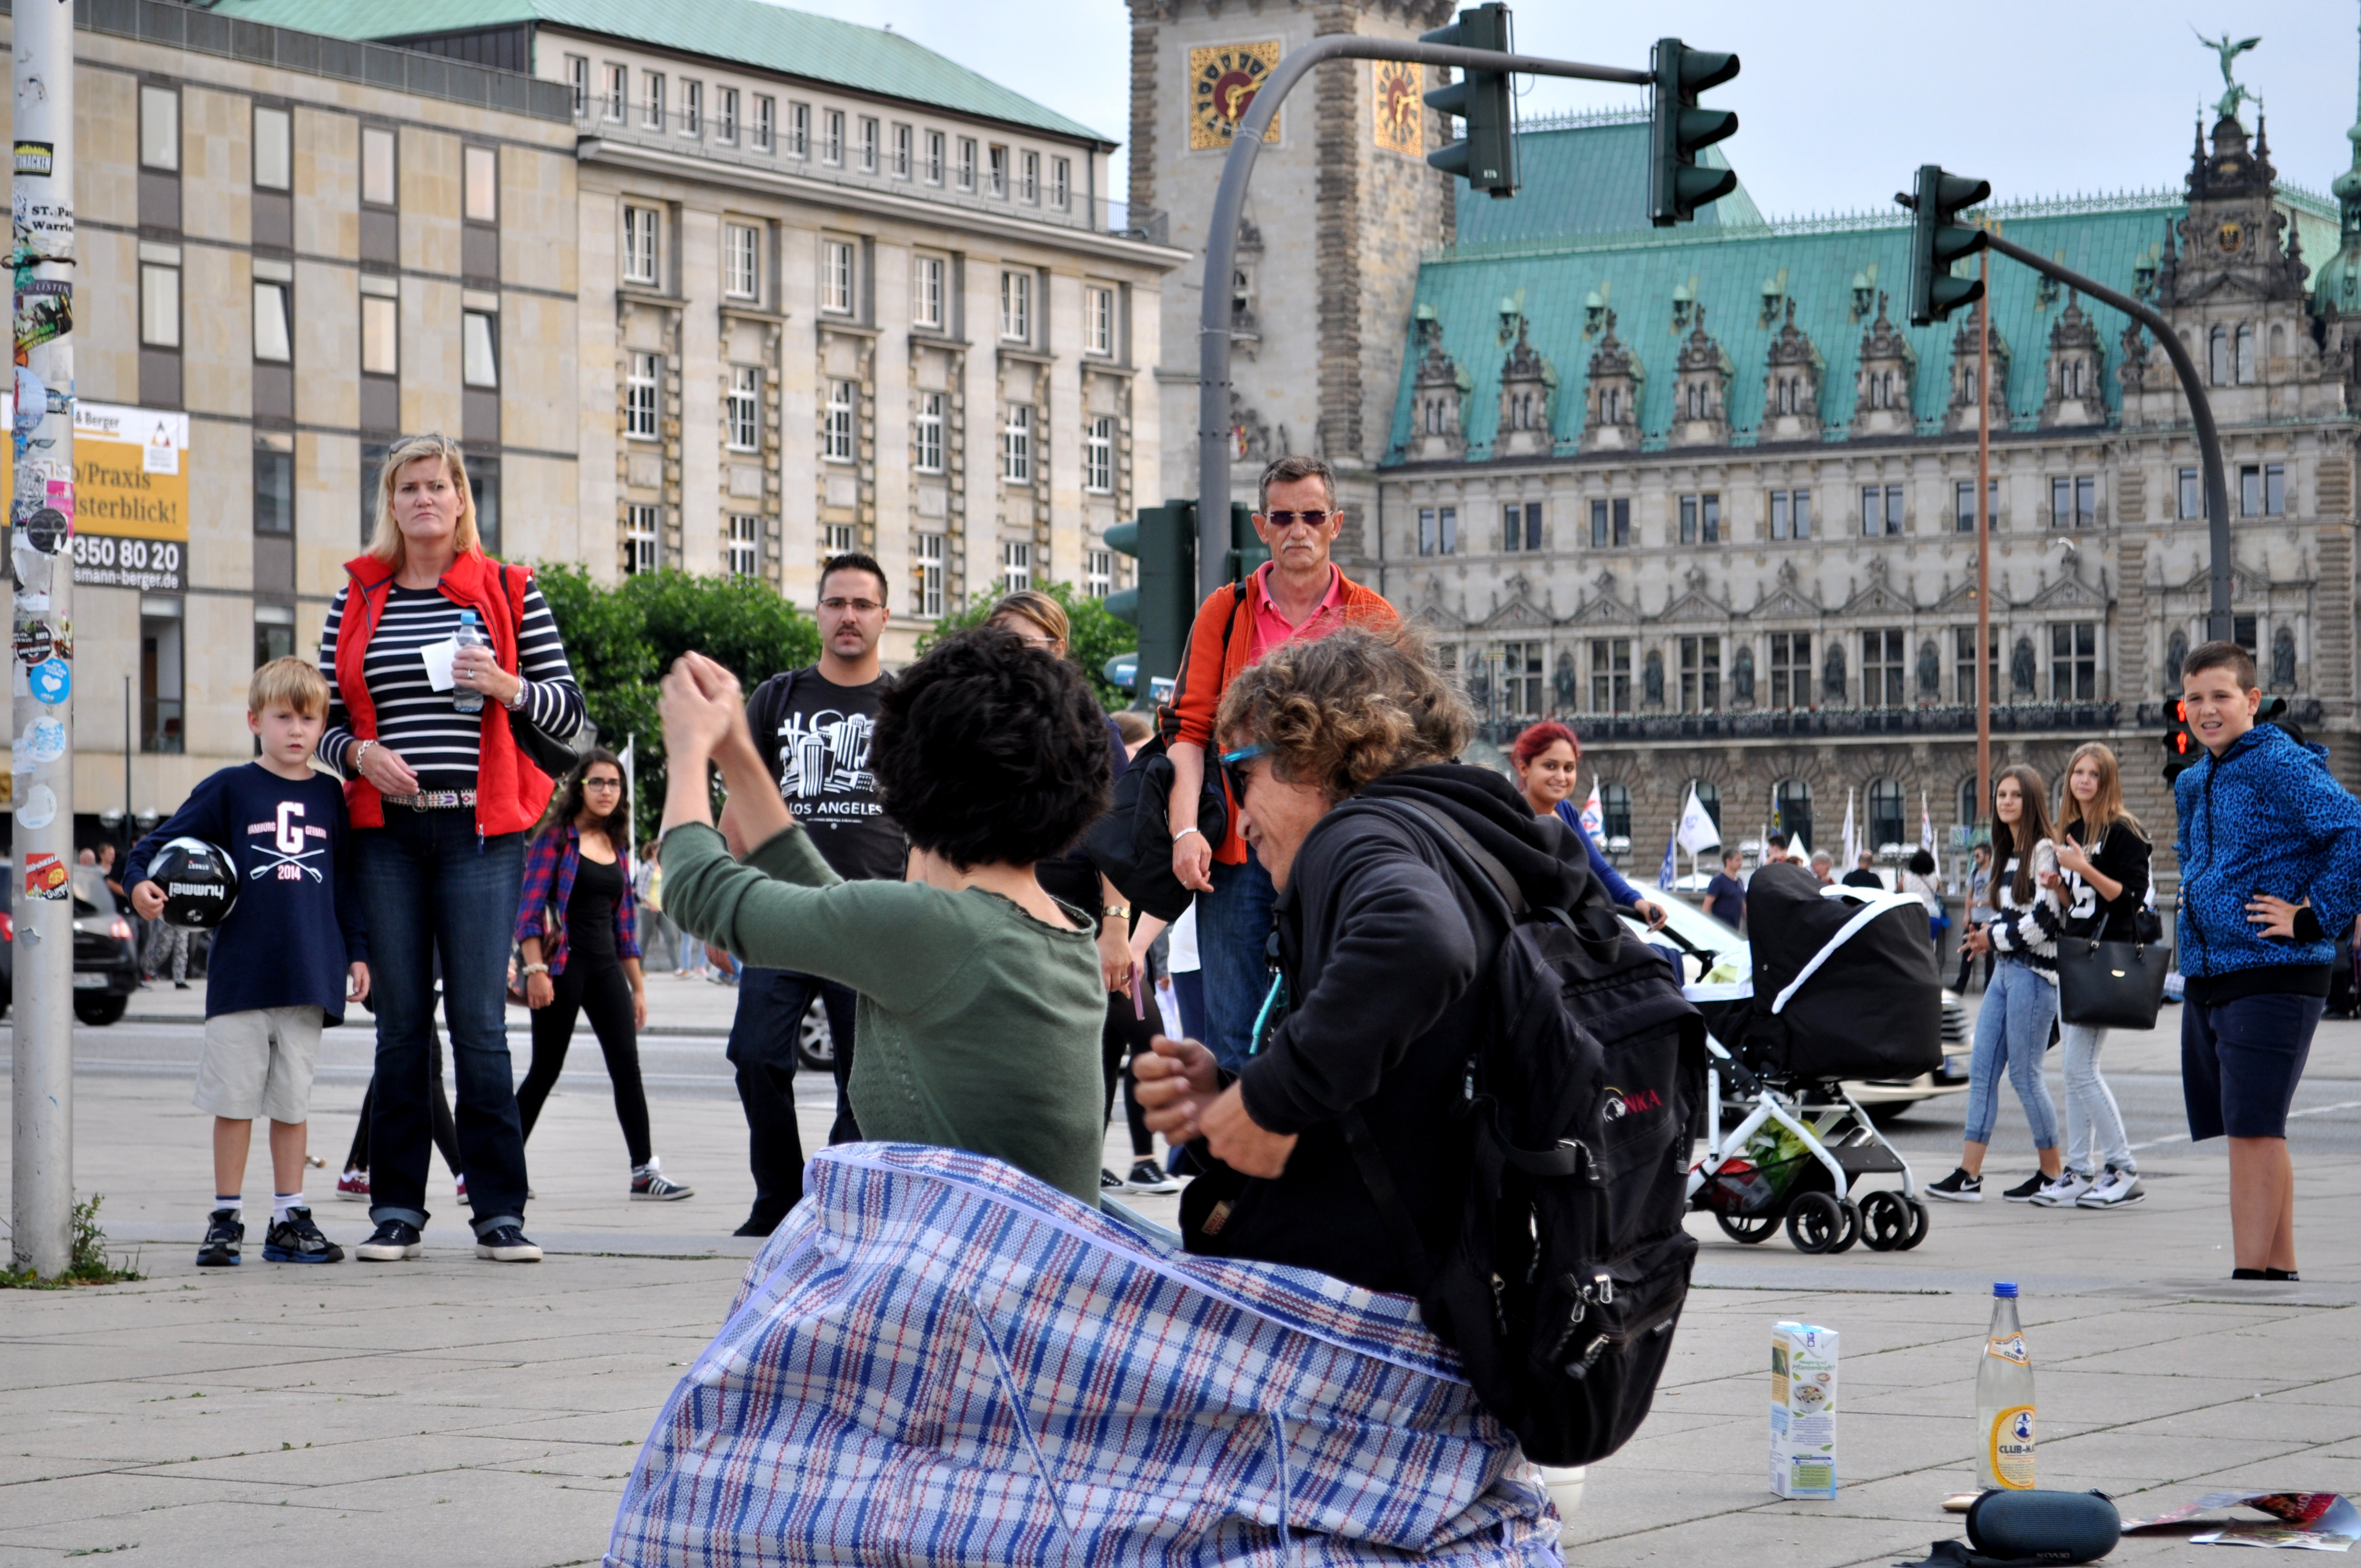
x=1271, y=628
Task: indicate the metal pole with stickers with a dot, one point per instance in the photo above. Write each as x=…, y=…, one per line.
x=40, y=531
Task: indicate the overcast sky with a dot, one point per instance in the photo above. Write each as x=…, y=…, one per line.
x=1836, y=101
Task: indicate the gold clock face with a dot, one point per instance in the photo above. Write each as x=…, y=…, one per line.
x=2230, y=237
x=2227, y=169
x=1399, y=106
x=1222, y=81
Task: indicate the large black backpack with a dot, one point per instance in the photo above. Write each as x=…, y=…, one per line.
x=1571, y=1265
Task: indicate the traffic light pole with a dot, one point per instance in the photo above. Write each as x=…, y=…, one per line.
x=41, y=517
x=1214, y=326
x=2209, y=440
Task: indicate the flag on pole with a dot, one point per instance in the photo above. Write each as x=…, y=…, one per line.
x=1669, y=872
x=1925, y=825
x=1852, y=846
x=1696, y=833
x=629, y=766
x=1594, y=816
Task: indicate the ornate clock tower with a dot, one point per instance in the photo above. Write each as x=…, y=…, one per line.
x=1341, y=207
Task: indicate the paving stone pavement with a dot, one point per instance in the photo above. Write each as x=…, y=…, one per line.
x=462, y=1412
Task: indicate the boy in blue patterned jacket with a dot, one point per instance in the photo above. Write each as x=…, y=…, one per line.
x=2270, y=871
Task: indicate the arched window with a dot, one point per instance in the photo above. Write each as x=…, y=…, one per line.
x=2278, y=341
x=1709, y=796
x=2217, y=357
x=1886, y=814
x=1969, y=381
x=2073, y=377
x=2247, y=369
x=1610, y=405
x=1791, y=809
x=1615, y=810
x=1967, y=802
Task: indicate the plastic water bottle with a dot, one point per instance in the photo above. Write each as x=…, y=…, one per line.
x=469, y=635
x=2004, y=1400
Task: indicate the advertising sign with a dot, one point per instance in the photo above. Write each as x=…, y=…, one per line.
x=126, y=505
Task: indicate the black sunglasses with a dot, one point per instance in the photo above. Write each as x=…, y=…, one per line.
x=1289, y=519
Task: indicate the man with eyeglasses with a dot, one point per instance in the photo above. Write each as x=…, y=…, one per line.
x=1299, y=593
x=816, y=724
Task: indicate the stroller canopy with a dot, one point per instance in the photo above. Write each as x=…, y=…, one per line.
x=1845, y=984
x=939, y=1359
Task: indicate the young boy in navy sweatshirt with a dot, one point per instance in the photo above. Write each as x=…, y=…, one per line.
x=282, y=959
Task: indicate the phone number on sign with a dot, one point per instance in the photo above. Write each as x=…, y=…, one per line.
x=103, y=562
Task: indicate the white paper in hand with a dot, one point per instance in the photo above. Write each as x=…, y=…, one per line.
x=438, y=657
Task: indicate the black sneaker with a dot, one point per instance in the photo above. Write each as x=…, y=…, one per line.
x=1147, y=1176
x=391, y=1243
x=223, y=1232
x=2026, y=1190
x=756, y=1225
x=507, y=1244
x=1957, y=1188
x=1109, y=1182
x=296, y=1239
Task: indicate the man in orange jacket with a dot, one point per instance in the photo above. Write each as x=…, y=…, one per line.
x=1298, y=593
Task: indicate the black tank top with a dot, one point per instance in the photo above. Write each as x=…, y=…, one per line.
x=590, y=908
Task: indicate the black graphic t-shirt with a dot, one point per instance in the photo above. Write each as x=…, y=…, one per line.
x=816, y=735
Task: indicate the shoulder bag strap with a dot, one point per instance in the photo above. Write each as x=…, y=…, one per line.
x=1486, y=861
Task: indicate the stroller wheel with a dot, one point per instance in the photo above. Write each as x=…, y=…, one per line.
x=1852, y=1232
x=1886, y=1222
x=1748, y=1228
x=1815, y=1222
x=1918, y=1231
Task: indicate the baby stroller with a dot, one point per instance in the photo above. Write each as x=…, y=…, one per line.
x=1844, y=986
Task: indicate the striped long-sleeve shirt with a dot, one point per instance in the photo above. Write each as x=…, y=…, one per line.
x=425, y=726
x=2027, y=931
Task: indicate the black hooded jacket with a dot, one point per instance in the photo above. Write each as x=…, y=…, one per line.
x=1384, y=927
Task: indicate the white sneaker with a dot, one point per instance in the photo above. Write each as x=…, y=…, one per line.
x=2116, y=1189
x=2062, y=1191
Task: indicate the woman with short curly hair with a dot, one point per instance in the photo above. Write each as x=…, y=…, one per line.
x=981, y=998
x=1340, y=752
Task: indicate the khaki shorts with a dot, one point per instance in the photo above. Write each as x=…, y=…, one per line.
x=260, y=1063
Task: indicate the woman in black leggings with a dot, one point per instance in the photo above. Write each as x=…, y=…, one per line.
x=578, y=929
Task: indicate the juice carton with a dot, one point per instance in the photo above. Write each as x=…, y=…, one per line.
x=1803, y=1411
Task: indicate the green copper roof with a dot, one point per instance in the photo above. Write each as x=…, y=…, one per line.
x=743, y=32
x=1584, y=174
x=1815, y=263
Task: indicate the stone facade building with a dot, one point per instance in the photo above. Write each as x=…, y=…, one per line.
x=289, y=248
x=1700, y=493
x=838, y=293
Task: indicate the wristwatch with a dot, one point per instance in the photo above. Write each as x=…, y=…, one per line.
x=1115, y=911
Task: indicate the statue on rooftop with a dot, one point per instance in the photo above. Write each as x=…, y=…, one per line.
x=2227, y=109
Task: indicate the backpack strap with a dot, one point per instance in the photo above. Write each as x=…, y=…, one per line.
x=1502, y=882
x=1380, y=1179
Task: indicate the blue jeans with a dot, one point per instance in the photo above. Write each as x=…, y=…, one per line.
x=1233, y=925
x=429, y=886
x=2013, y=1034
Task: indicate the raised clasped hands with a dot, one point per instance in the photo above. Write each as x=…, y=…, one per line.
x=700, y=706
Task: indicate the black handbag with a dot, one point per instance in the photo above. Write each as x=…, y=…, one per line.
x=2111, y=985
x=1132, y=844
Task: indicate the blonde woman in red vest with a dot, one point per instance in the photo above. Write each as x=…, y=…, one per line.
x=441, y=798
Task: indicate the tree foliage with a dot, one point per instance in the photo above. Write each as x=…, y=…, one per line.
x=620, y=641
x=1097, y=636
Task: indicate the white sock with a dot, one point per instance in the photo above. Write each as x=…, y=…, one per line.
x=231, y=1203
x=283, y=1201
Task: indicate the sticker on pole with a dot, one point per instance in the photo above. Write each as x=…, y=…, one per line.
x=47, y=527
x=34, y=645
x=44, y=740
x=39, y=809
x=45, y=876
x=51, y=680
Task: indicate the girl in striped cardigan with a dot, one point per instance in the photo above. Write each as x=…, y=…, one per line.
x=2020, y=1005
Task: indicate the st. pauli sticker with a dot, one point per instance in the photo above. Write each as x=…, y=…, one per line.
x=51, y=680
x=40, y=808
x=44, y=740
x=45, y=876
x=34, y=645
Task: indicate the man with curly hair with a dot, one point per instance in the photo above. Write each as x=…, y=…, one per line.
x=980, y=999
x=1298, y=595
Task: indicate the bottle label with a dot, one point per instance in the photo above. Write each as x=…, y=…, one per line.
x=2010, y=1347
x=2009, y=1448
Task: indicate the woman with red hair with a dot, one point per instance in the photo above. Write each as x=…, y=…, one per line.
x=1547, y=759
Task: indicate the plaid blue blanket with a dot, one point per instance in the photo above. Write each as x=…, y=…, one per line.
x=939, y=1360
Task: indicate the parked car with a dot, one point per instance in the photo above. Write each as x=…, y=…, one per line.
x=107, y=959
x=1701, y=940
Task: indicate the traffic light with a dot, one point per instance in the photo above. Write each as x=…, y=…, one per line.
x=2179, y=742
x=1487, y=156
x=1163, y=541
x=1938, y=239
x=1678, y=130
